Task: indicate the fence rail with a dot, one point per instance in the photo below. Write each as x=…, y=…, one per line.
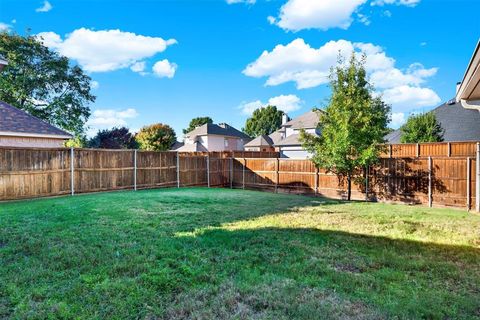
x=451, y=180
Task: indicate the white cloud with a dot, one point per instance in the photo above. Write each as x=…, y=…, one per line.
x=164, y=69
x=398, y=118
x=297, y=15
x=109, y=118
x=241, y=1
x=4, y=26
x=387, y=13
x=45, y=7
x=364, y=19
x=138, y=67
x=286, y=103
x=309, y=67
x=405, y=98
x=105, y=50
x=94, y=84
x=408, y=3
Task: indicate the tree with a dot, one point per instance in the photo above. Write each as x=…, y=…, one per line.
x=421, y=128
x=197, y=122
x=263, y=121
x=115, y=138
x=43, y=83
x=78, y=141
x=352, y=126
x=156, y=137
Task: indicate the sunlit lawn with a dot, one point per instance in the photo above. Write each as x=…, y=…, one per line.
x=219, y=253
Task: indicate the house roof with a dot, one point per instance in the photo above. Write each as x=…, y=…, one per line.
x=222, y=129
x=17, y=122
x=260, y=141
x=277, y=136
x=3, y=61
x=308, y=120
x=460, y=124
x=193, y=147
x=177, y=145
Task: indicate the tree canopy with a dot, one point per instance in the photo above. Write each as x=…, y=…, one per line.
x=421, y=128
x=353, y=124
x=156, y=137
x=263, y=121
x=43, y=83
x=197, y=122
x=115, y=138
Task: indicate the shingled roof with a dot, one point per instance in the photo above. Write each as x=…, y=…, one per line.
x=222, y=129
x=308, y=120
x=460, y=124
x=260, y=141
x=14, y=121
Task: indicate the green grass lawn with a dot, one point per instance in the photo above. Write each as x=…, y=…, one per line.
x=198, y=253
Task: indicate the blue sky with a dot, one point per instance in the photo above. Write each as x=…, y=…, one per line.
x=169, y=61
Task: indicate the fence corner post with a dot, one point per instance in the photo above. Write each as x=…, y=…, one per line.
x=469, y=181
x=231, y=172
x=430, y=196
x=477, y=180
x=72, y=175
x=135, y=169
x=178, y=171
x=243, y=173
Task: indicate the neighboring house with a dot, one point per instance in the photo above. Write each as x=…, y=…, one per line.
x=20, y=129
x=214, y=137
x=3, y=62
x=286, y=140
x=458, y=123
x=459, y=117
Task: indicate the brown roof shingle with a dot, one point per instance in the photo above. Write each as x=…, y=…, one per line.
x=18, y=121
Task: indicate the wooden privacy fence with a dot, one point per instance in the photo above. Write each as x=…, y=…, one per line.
x=29, y=173
x=436, y=179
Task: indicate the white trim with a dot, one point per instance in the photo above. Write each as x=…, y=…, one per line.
x=471, y=73
x=33, y=135
x=473, y=104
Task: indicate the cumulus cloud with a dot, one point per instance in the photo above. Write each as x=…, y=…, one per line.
x=309, y=67
x=45, y=7
x=138, y=67
x=105, y=50
x=109, y=118
x=297, y=15
x=94, y=84
x=398, y=119
x=164, y=69
x=286, y=103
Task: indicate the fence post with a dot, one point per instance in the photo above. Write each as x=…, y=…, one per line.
x=231, y=173
x=243, y=172
x=135, y=169
x=390, y=148
x=316, y=179
x=418, y=150
x=72, y=176
x=449, y=150
x=430, y=200
x=469, y=181
x=477, y=180
x=178, y=171
x=277, y=165
x=208, y=170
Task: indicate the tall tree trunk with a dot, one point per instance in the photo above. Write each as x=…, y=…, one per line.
x=349, y=186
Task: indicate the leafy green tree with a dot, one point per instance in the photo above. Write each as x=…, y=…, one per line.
x=263, y=121
x=43, y=83
x=352, y=126
x=156, y=137
x=78, y=141
x=115, y=138
x=197, y=122
x=421, y=128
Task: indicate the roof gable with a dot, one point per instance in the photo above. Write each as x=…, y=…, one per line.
x=215, y=129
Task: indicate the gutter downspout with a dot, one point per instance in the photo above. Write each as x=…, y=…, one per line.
x=473, y=105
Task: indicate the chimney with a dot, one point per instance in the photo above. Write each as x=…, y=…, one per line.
x=223, y=125
x=3, y=62
x=284, y=118
x=458, y=87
